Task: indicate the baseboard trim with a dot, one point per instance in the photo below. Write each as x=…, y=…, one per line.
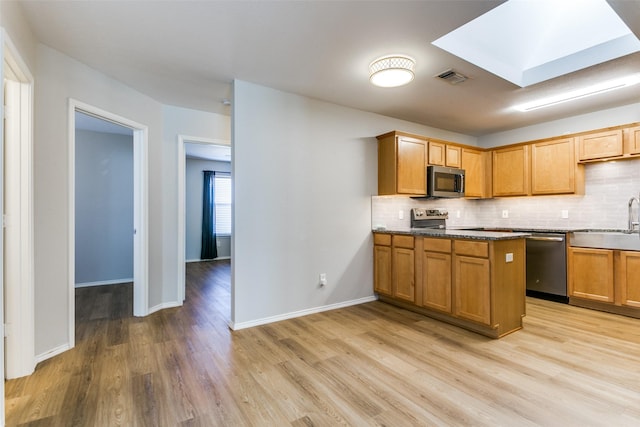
x=243, y=325
x=104, y=283
x=172, y=304
x=205, y=260
x=51, y=353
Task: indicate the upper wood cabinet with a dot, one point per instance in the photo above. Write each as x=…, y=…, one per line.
x=511, y=171
x=474, y=163
x=443, y=154
x=632, y=140
x=600, y=145
x=401, y=165
x=554, y=169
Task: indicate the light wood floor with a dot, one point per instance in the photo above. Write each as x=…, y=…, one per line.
x=370, y=364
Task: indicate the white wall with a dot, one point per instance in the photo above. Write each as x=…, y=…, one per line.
x=59, y=78
x=585, y=122
x=186, y=122
x=304, y=171
x=104, y=208
x=193, y=208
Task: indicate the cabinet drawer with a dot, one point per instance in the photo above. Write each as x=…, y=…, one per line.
x=382, y=239
x=437, y=245
x=403, y=241
x=470, y=248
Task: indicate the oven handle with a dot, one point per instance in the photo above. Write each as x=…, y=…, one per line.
x=545, y=239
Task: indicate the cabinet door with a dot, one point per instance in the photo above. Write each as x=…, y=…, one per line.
x=436, y=281
x=472, y=289
x=553, y=167
x=511, y=171
x=591, y=274
x=452, y=158
x=403, y=274
x=630, y=278
x=634, y=140
x=411, y=166
x=600, y=145
x=382, y=269
x=472, y=162
x=437, y=153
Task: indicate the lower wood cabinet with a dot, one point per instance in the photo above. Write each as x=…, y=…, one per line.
x=394, y=266
x=474, y=284
x=382, y=264
x=472, y=289
x=630, y=278
x=591, y=274
x=436, y=274
x=605, y=279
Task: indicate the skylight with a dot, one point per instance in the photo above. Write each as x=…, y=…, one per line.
x=527, y=42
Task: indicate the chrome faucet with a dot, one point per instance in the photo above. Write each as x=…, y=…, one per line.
x=632, y=224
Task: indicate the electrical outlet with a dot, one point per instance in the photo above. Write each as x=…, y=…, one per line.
x=564, y=214
x=400, y=214
x=508, y=257
x=323, y=279
x=457, y=214
x=505, y=213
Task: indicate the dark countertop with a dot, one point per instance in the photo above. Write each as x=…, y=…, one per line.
x=450, y=233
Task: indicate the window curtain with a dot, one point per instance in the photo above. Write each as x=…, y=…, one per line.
x=209, y=249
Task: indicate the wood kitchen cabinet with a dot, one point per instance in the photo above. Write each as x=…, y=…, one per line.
x=472, y=281
x=629, y=278
x=474, y=163
x=436, y=274
x=554, y=169
x=382, y=263
x=591, y=274
x=600, y=145
x=442, y=153
x=511, y=171
x=475, y=284
x=394, y=266
x=632, y=140
x=403, y=267
x=402, y=164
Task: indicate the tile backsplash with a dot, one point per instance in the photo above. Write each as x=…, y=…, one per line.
x=608, y=187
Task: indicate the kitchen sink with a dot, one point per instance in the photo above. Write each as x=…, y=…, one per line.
x=606, y=240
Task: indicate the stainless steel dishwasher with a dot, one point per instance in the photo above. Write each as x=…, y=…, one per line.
x=547, y=266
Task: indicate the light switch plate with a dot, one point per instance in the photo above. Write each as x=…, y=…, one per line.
x=505, y=213
x=564, y=213
x=508, y=257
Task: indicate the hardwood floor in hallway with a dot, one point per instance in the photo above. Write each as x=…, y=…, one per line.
x=371, y=364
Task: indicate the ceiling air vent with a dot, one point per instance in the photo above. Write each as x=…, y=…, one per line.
x=452, y=77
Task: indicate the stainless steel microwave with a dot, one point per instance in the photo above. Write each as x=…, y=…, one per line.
x=445, y=182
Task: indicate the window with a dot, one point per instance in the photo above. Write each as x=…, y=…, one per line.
x=222, y=202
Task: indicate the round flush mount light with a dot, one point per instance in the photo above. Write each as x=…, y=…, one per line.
x=392, y=70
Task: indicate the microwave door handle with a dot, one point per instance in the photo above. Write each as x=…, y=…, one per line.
x=460, y=180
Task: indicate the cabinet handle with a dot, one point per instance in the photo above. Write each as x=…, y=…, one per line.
x=545, y=239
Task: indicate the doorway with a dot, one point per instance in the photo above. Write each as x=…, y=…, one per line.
x=140, y=191
x=203, y=148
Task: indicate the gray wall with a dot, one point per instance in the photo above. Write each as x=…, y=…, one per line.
x=193, y=208
x=104, y=208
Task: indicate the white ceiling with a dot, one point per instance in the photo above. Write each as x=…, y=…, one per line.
x=187, y=53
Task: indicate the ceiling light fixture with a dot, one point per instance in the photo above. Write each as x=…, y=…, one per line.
x=581, y=93
x=392, y=70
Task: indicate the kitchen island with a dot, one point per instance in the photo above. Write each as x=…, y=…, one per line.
x=470, y=278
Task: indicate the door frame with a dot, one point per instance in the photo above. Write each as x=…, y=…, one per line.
x=182, y=158
x=140, y=208
x=18, y=357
